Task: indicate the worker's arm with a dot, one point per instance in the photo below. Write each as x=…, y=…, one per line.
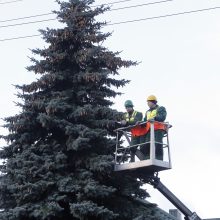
x=161, y=114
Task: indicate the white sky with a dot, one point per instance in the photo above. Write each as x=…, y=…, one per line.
x=179, y=58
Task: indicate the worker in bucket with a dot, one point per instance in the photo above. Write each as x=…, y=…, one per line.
x=133, y=117
x=155, y=114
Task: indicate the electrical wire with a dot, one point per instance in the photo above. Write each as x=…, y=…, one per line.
x=21, y=18
x=3, y=3
x=30, y=22
x=134, y=6
x=137, y=20
x=164, y=16
x=16, y=38
x=112, y=3
x=39, y=15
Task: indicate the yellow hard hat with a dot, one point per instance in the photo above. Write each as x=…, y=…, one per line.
x=151, y=98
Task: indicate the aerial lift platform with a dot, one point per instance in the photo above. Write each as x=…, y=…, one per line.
x=147, y=169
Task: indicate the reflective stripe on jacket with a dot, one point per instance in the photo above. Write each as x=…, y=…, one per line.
x=151, y=114
x=131, y=118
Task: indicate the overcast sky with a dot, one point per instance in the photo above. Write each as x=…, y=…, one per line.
x=179, y=63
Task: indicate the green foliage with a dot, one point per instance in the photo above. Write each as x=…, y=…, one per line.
x=59, y=157
x=91, y=211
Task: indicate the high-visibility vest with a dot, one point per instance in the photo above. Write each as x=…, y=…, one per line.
x=151, y=114
x=130, y=118
x=137, y=130
x=157, y=125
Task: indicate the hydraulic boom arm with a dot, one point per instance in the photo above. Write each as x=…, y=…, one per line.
x=156, y=183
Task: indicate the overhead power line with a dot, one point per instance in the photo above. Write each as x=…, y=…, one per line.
x=15, y=38
x=136, y=20
x=30, y=22
x=21, y=18
x=134, y=6
x=112, y=3
x=164, y=16
x=50, y=13
x=3, y=3
x=39, y=15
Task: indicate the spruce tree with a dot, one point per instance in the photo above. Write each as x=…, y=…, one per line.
x=58, y=161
